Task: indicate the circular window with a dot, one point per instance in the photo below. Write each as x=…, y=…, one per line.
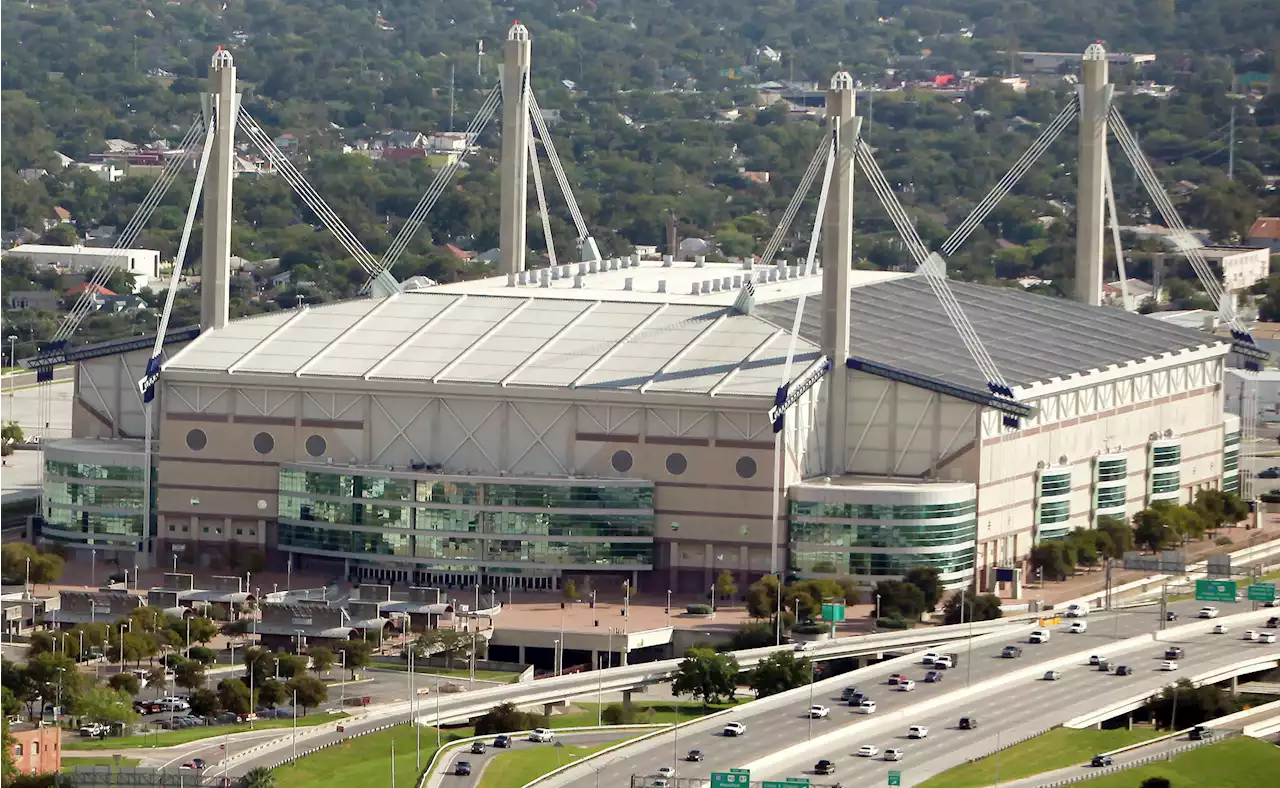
x=315, y=445
x=746, y=467
x=263, y=443
x=197, y=440
x=621, y=461
x=676, y=464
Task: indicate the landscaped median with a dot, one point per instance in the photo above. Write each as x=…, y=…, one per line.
x=187, y=735
x=1235, y=763
x=517, y=769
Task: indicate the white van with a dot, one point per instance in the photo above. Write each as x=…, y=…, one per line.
x=1040, y=636
x=1076, y=627
x=1076, y=610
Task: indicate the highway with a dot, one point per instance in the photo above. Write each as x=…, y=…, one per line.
x=1003, y=714
x=479, y=761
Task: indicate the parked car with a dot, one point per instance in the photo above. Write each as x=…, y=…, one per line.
x=93, y=729
x=1270, y=473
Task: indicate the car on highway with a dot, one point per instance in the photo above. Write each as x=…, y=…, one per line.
x=824, y=766
x=502, y=742
x=968, y=723
x=462, y=768
x=1104, y=665
x=667, y=771
x=195, y=764
x=906, y=686
x=818, y=712
x=896, y=678
x=541, y=734
x=933, y=676
x=867, y=707
x=945, y=661
x=1094, y=659
x=848, y=693
x=1250, y=634
x=1171, y=616
x=806, y=646
x=478, y=748
x=1039, y=636
x=893, y=754
x=1220, y=629
x=1200, y=733
x=917, y=732
x=1267, y=637
x=735, y=729
x=857, y=698
x=1052, y=675
x=1124, y=670
x=1208, y=611
x=1077, y=627
x=1077, y=610
x=1169, y=664
x=868, y=751
x=1100, y=760
x=1175, y=652
x=1273, y=622
x=1011, y=652
x=695, y=756
x=929, y=657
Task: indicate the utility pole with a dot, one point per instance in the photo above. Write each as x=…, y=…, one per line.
x=1231, y=147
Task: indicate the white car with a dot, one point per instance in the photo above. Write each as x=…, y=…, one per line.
x=93, y=729
x=667, y=772
x=1077, y=610
x=1076, y=627
x=906, y=686
x=893, y=754
x=818, y=712
x=867, y=707
x=541, y=734
x=1267, y=637
x=917, y=732
x=1220, y=629
x=929, y=657
x=1251, y=634
x=1052, y=675
x=1039, y=636
x=1169, y=664
x=734, y=729
x=943, y=661
x=868, y=751
x=1208, y=611
x=806, y=646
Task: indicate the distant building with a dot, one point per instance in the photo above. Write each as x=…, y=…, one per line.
x=37, y=749
x=1138, y=292
x=1242, y=266
x=461, y=254
x=1053, y=62
x=31, y=299
x=1265, y=234
x=140, y=262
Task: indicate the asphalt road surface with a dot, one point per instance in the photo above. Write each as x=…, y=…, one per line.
x=1005, y=713
x=480, y=761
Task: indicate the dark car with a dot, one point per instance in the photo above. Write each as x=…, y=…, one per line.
x=824, y=767
x=696, y=756
x=1011, y=652
x=1171, y=616
x=933, y=676
x=477, y=748
x=1124, y=670
x=1200, y=733
x=1270, y=473
x=1100, y=760
x=502, y=741
x=462, y=767
x=1174, y=652
x=968, y=723
x=857, y=698
x=1104, y=665
x=896, y=678
x=1273, y=622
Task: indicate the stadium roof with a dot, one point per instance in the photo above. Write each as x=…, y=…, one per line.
x=529, y=339
x=1031, y=338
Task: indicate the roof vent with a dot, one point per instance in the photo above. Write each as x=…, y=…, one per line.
x=578, y=282
x=737, y=282
x=1168, y=433
x=662, y=285
x=523, y=277
x=635, y=258
x=592, y=266
x=1040, y=466
x=1062, y=460
x=667, y=260
x=564, y=271
x=582, y=268
x=626, y=263
x=748, y=264
x=725, y=283
x=784, y=273
x=715, y=285
x=511, y=279
x=555, y=273
x=613, y=264
x=773, y=274
x=628, y=284
x=699, y=261
x=546, y=278
x=694, y=290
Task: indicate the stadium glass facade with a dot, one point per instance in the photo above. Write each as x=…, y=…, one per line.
x=94, y=504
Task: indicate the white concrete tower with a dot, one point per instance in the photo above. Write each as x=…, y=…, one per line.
x=515, y=149
x=221, y=107
x=1095, y=101
x=837, y=261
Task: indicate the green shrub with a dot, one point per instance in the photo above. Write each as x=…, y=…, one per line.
x=894, y=622
x=618, y=714
x=698, y=610
x=809, y=629
x=1222, y=540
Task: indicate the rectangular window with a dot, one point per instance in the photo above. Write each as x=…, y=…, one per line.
x=1112, y=470
x=1110, y=497
x=1054, y=485
x=1055, y=511
x=1165, y=482
x=1166, y=456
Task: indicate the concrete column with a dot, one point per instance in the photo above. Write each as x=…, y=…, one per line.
x=1235, y=685
x=837, y=262
x=520, y=655
x=626, y=697
x=515, y=149
x=708, y=567
x=221, y=108
x=1094, y=91
x=595, y=659
x=622, y=655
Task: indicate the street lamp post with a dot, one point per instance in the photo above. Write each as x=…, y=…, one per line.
x=668, y=607
x=342, y=704
x=13, y=362
x=713, y=600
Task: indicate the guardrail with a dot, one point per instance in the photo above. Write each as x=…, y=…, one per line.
x=1260, y=729
x=1098, y=772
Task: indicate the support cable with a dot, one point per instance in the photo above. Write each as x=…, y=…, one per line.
x=1115, y=231
x=797, y=199
x=584, y=236
x=307, y=192
x=1011, y=178
x=542, y=202
x=439, y=183
x=1248, y=434
x=813, y=248
x=933, y=274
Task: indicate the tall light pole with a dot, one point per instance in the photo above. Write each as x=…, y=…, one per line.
x=342, y=704
x=668, y=607
x=13, y=362
x=713, y=600
x=295, y=725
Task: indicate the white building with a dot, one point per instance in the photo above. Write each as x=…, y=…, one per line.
x=1242, y=266
x=139, y=262
x=1268, y=393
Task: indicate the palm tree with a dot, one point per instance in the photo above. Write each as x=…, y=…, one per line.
x=260, y=777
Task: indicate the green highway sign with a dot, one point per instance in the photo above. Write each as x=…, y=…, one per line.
x=737, y=778
x=1262, y=592
x=1215, y=591
x=797, y=780
x=895, y=778
x=833, y=612
x=790, y=782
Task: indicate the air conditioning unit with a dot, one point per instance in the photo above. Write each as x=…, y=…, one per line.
x=1062, y=460
x=1040, y=466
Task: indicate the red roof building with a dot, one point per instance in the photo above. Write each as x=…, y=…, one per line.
x=461, y=254
x=95, y=289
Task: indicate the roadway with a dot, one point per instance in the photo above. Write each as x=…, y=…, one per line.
x=770, y=729
x=1130, y=757
x=481, y=761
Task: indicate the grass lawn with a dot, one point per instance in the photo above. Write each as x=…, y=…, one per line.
x=501, y=676
x=1235, y=763
x=1057, y=749
x=518, y=767
x=365, y=762
x=170, y=738
x=99, y=760
x=663, y=713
